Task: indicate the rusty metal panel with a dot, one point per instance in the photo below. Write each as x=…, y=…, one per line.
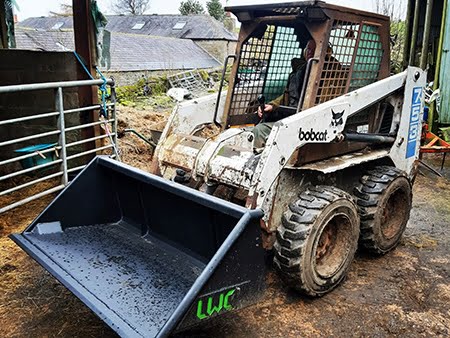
x=341, y=162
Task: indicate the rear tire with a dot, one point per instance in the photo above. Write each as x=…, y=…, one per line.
x=317, y=240
x=384, y=198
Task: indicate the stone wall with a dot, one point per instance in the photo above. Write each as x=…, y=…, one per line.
x=130, y=78
x=218, y=48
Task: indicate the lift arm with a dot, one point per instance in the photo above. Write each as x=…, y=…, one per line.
x=325, y=123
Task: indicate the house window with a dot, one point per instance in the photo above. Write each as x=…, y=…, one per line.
x=138, y=26
x=179, y=25
x=57, y=25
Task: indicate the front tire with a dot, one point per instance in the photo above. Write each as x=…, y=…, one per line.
x=384, y=198
x=317, y=240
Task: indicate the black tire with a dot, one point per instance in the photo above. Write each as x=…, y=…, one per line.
x=317, y=240
x=384, y=198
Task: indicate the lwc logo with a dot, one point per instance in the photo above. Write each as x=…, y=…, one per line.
x=215, y=304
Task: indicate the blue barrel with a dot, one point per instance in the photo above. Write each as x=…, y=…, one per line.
x=36, y=160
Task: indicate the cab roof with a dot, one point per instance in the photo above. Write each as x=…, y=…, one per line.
x=310, y=9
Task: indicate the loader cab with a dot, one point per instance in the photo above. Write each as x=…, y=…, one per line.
x=264, y=67
x=352, y=51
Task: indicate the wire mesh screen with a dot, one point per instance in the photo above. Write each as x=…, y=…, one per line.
x=285, y=48
x=190, y=80
x=368, y=58
x=338, y=60
x=264, y=68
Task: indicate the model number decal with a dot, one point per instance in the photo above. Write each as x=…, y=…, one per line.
x=414, y=122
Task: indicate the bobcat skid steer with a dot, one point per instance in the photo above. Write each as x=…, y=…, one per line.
x=153, y=254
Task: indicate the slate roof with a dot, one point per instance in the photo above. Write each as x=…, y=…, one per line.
x=129, y=52
x=196, y=27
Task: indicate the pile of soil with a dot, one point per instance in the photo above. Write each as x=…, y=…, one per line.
x=133, y=150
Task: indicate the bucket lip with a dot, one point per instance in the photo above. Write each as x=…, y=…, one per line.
x=212, y=202
x=36, y=147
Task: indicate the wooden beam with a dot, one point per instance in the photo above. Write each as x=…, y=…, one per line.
x=3, y=27
x=85, y=47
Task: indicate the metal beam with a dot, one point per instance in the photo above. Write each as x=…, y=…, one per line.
x=426, y=35
x=412, y=51
x=438, y=67
x=406, y=46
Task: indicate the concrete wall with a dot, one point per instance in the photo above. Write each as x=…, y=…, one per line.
x=23, y=67
x=218, y=48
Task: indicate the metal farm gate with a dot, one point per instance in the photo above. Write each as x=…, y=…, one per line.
x=40, y=153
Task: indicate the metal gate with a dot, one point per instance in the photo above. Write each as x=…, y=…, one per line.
x=28, y=161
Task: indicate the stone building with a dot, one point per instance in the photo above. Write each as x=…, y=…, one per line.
x=205, y=31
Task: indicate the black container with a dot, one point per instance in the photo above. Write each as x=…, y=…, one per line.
x=147, y=255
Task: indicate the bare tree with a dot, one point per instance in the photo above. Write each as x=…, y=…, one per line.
x=133, y=7
x=65, y=9
x=395, y=10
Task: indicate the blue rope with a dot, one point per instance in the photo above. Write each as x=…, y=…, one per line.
x=102, y=87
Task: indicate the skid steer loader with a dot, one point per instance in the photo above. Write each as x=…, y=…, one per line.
x=153, y=254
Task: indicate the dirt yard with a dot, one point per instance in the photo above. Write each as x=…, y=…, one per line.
x=403, y=294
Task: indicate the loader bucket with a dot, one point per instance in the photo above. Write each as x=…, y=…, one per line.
x=148, y=256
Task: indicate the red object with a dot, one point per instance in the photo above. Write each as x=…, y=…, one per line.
x=433, y=143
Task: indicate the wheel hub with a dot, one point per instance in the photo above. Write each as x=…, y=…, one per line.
x=332, y=247
x=393, y=214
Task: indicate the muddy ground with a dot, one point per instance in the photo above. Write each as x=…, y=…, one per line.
x=404, y=294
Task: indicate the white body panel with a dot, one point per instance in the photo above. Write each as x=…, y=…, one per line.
x=229, y=158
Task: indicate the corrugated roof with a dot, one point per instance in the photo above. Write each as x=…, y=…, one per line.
x=196, y=27
x=129, y=52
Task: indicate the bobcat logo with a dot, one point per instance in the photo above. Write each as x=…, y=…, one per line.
x=337, y=118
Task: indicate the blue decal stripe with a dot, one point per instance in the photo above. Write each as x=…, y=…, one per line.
x=414, y=122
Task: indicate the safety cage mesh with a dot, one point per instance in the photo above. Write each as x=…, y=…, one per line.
x=353, y=59
x=338, y=60
x=368, y=58
x=264, y=68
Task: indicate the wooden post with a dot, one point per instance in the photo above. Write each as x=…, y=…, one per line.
x=3, y=28
x=85, y=47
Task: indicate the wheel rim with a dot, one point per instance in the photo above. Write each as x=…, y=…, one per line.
x=393, y=214
x=332, y=248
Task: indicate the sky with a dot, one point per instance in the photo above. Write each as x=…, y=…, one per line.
x=32, y=8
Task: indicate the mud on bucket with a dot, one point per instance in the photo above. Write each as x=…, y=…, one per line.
x=147, y=255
